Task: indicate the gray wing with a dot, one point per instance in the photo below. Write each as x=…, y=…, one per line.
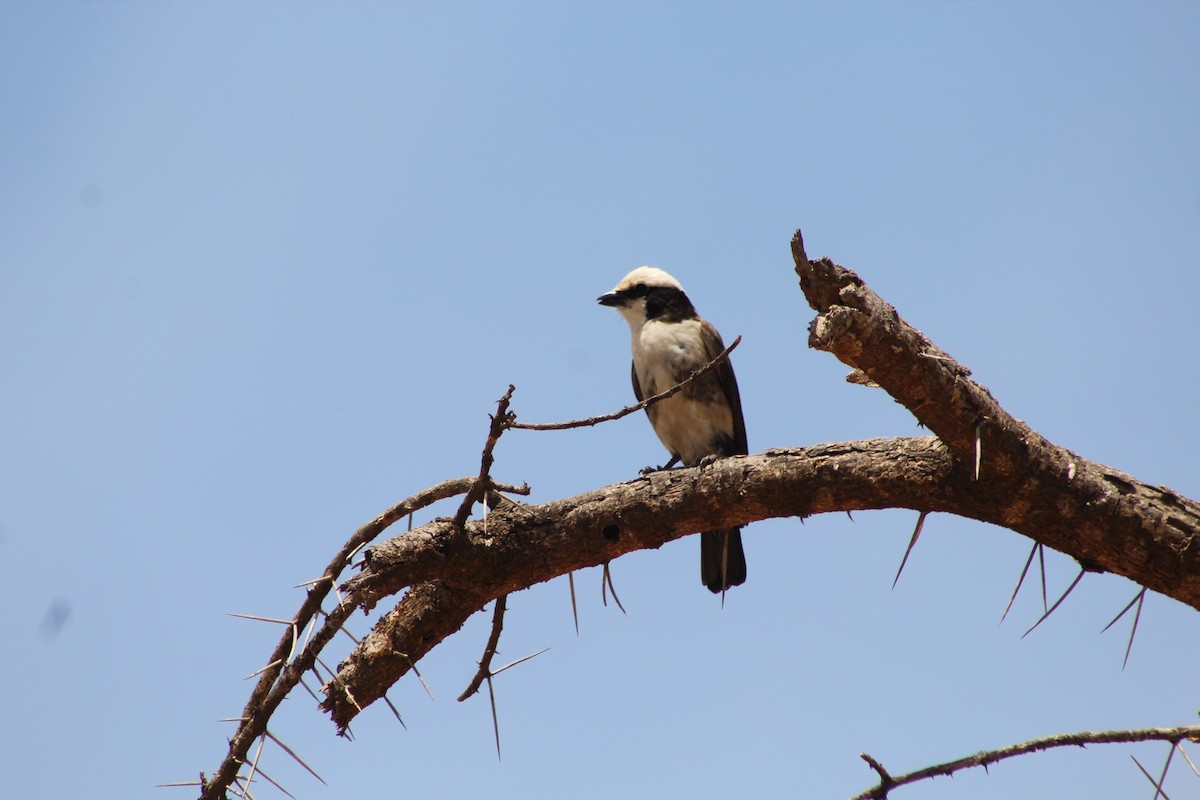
x=728, y=383
x=637, y=387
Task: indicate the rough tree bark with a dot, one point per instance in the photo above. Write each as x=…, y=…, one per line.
x=979, y=463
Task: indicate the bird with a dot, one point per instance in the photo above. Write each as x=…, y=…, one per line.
x=703, y=421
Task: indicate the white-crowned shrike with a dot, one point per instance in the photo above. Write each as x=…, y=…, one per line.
x=670, y=342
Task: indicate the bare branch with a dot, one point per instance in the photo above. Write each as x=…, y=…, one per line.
x=485, y=663
x=502, y=419
x=986, y=757
x=275, y=683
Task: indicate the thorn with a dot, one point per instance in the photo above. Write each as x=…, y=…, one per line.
x=495, y=719
x=394, y=711
x=911, y=543
x=1020, y=580
x=256, y=673
x=350, y=556
x=1157, y=785
x=310, y=691
x=851, y=516
x=1139, y=599
x=262, y=740
x=276, y=784
x=292, y=753
x=261, y=619
x=1182, y=752
x=1042, y=565
x=413, y=666
x=978, y=448
x=1057, y=603
x=607, y=577
x=574, y=608
x=519, y=660
x=1162, y=778
x=312, y=627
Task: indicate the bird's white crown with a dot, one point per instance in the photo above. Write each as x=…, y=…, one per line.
x=649, y=276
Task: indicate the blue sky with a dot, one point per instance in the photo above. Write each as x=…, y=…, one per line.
x=265, y=268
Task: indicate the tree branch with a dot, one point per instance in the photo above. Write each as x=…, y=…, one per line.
x=1105, y=519
x=986, y=757
x=982, y=464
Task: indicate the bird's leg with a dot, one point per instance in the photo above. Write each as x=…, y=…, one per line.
x=647, y=470
x=707, y=461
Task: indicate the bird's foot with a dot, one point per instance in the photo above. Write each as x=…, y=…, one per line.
x=647, y=470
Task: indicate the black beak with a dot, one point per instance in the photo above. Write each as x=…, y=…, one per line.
x=611, y=299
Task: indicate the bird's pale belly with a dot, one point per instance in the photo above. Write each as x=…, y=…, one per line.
x=692, y=429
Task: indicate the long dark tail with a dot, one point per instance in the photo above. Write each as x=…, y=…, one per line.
x=722, y=560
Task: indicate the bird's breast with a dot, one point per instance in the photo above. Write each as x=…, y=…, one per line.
x=698, y=421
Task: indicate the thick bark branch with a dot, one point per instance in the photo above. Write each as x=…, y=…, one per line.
x=1105, y=519
x=526, y=545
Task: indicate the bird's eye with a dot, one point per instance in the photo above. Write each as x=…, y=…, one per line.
x=637, y=290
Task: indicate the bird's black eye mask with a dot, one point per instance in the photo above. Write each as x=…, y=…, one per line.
x=638, y=290
x=667, y=303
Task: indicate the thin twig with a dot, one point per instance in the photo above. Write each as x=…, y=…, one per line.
x=502, y=419
x=986, y=757
x=275, y=684
x=885, y=779
x=624, y=412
